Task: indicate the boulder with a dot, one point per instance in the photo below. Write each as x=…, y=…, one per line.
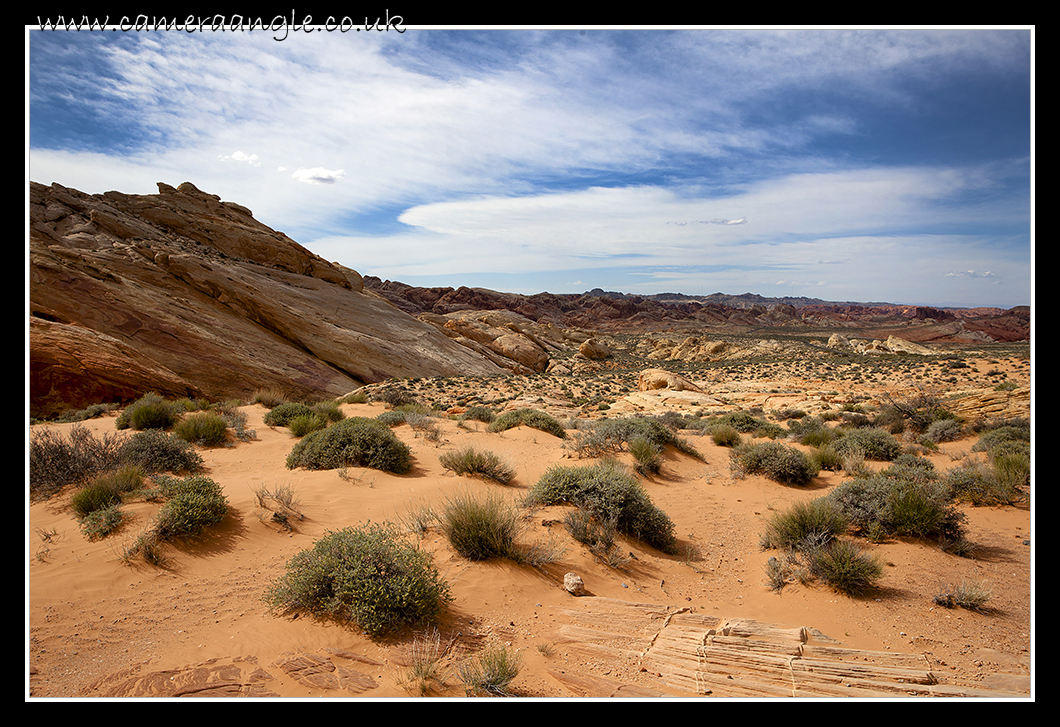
x=651, y=379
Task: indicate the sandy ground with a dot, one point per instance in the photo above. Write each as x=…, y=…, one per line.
x=93, y=623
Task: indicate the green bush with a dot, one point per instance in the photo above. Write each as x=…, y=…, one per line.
x=367, y=576
x=101, y=523
x=874, y=443
x=157, y=451
x=480, y=528
x=942, y=430
x=608, y=493
x=533, y=418
x=303, y=424
x=647, y=454
x=746, y=423
x=192, y=505
x=469, y=461
x=826, y=458
x=608, y=436
x=776, y=461
x=93, y=497
x=725, y=435
x=900, y=506
x=846, y=567
x=150, y=411
x=818, y=520
x=480, y=414
x=357, y=441
x=281, y=414
x=204, y=428
x=56, y=461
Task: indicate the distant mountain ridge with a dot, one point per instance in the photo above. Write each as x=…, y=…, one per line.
x=750, y=300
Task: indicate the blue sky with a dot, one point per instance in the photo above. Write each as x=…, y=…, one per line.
x=844, y=164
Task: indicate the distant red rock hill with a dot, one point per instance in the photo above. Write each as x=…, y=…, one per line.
x=616, y=312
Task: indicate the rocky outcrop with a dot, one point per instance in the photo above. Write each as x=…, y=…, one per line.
x=134, y=293
x=893, y=344
x=651, y=379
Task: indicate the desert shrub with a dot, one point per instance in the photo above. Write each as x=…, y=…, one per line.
x=157, y=451
x=490, y=672
x=268, y=398
x=533, y=418
x=480, y=414
x=911, y=467
x=102, y=522
x=92, y=497
x=915, y=413
x=606, y=491
x=900, y=506
x=391, y=417
x=776, y=461
x=329, y=411
x=303, y=424
x=357, y=441
x=396, y=396
x=56, y=461
x=368, y=576
x=1009, y=437
x=874, y=443
x=608, y=436
x=480, y=527
x=1012, y=470
x=150, y=411
x=282, y=414
x=826, y=458
x=204, y=428
x=746, y=423
x=725, y=435
x=89, y=412
x=818, y=520
x=192, y=505
x=845, y=566
x=647, y=455
x=942, y=430
x=469, y=461
x=979, y=484
x=972, y=595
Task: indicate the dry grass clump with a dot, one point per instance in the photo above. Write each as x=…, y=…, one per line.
x=471, y=462
x=972, y=595
x=490, y=672
x=481, y=527
x=56, y=461
x=203, y=428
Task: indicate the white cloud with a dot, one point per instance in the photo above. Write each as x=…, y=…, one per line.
x=239, y=156
x=318, y=175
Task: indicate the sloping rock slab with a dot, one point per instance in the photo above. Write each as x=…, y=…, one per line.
x=215, y=678
x=682, y=653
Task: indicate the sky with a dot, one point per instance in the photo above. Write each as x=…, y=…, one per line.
x=859, y=164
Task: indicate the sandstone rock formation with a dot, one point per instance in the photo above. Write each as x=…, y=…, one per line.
x=651, y=379
x=183, y=293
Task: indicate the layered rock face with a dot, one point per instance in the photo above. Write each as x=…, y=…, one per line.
x=185, y=294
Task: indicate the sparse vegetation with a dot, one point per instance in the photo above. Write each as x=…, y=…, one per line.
x=481, y=527
x=203, y=428
x=56, y=461
x=778, y=462
x=367, y=576
x=355, y=441
x=607, y=493
x=533, y=418
x=470, y=461
x=818, y=520
x=490, y=672
x=150, y=411
x=157, y=451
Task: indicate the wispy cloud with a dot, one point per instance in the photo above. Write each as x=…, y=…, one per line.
x=515, y=152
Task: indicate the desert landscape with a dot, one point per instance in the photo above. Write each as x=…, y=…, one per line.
x=698, y=605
